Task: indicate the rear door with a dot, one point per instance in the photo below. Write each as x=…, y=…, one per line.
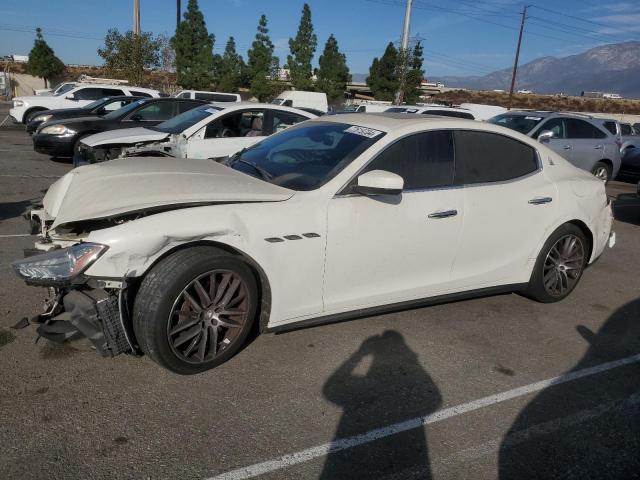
x=588, y=143
x=228, y=134
x=508, y=206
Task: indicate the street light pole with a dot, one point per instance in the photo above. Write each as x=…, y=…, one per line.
x=136, y=17
x=515, y=63
x=177, y=14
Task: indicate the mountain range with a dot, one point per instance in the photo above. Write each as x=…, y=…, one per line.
x=613, y=68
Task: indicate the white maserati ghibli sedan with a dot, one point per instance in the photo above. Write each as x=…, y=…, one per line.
x=336, y=217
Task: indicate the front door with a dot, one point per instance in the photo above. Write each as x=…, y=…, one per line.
x=560, y=143
x=392, y=248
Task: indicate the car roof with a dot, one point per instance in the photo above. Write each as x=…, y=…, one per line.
x=390, y=121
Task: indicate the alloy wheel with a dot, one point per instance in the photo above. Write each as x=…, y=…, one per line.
x=563, y=265
x=208, y=315
x=602, y=173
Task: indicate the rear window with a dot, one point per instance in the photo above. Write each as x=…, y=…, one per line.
x=522, y=123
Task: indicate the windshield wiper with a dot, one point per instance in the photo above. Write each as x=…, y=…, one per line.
x=263, y=173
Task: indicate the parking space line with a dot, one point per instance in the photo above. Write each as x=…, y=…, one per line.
x=373, y=435
x=16, y=235
x=30, y=176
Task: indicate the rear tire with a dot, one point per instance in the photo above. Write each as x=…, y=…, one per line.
x=559, y=266
x=602, y=171
x=195, y=309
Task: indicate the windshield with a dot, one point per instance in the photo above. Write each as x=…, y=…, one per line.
x=124, y=110
x=522, y=123
x=180, y=123
x=62, y=89
x=305, y=157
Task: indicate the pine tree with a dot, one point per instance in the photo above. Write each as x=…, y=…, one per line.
x=333, y=74
x=263, y=66
x=194, y=50
x=229, y=68
x=302, y=50
x=43, y=62
x=414, y=75
x=383, y=75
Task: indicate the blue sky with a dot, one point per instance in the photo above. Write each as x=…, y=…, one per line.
x=465, y=37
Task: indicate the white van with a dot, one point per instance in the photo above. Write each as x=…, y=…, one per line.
x=308, y=101
x=208, y=96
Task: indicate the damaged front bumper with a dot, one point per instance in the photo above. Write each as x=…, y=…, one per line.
x=99, y=314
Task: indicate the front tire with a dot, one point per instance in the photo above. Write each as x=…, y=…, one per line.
x=560, y=265
x=195, y=309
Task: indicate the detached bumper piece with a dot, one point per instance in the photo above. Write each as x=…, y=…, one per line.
x=94, y=314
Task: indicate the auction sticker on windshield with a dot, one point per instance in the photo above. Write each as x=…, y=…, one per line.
x=363, y=131
x=533, y=118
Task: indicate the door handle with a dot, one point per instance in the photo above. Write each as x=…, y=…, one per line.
x=445, y=214
x=598, y=147
x=540, y=200
x=567, y=147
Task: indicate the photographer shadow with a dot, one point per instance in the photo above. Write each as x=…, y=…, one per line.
x=394, y=388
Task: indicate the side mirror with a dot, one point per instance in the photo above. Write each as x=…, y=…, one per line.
x=71, y=97
x=380, y=182
x=545, y=136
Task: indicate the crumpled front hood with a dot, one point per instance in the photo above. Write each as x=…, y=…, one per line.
x=124, y=136
x=138, y=184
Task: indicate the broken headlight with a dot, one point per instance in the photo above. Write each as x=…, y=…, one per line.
x=59, y=266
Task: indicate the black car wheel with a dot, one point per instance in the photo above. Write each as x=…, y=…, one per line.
x=195, y=309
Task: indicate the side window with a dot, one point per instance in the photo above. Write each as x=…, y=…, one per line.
x=247, y=123
x=282, y=120
x=140, y=94
x=611, y=126
x=483, y=157
x=186, y=106
x=423, y=160
x=581, y=129
x=556, y=125
x=625, y=129
x=154, y=112
x=112, y=106
x=111, y=92
x=90, y=94
x=185, y=95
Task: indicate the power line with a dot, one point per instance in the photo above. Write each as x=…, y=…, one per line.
x=573, y=17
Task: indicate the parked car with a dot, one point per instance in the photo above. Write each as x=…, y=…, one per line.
x=302, y=99
x=525, y=91
x=581, y=139
x=336, y=217
x=61, y=138
x=215, y=130
x=98, y=108
x=440, y=110
x=60, y=87
x=364, y=108
x=631, y=163
x=78, y=95
x=208, y=96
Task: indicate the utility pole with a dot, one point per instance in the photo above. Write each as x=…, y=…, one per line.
x=177, y=14
x=404, y=52
x=136, y=17
x=515, y=63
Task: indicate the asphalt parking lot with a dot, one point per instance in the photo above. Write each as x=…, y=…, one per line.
x=497, y=387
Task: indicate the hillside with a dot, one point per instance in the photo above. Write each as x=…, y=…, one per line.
x=611, y=68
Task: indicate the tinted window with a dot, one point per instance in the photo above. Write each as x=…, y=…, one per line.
x=216, y=97
x=611, y=126
x=424, y=160
x=283, y=120
x=92, y=93
x=140, y=94
x=555, y=125
x=449, y=113
x=625, y=129
x=581, y=129
x=154, y=112
x=488, y=157
x=520, y=123
x=186, y=106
